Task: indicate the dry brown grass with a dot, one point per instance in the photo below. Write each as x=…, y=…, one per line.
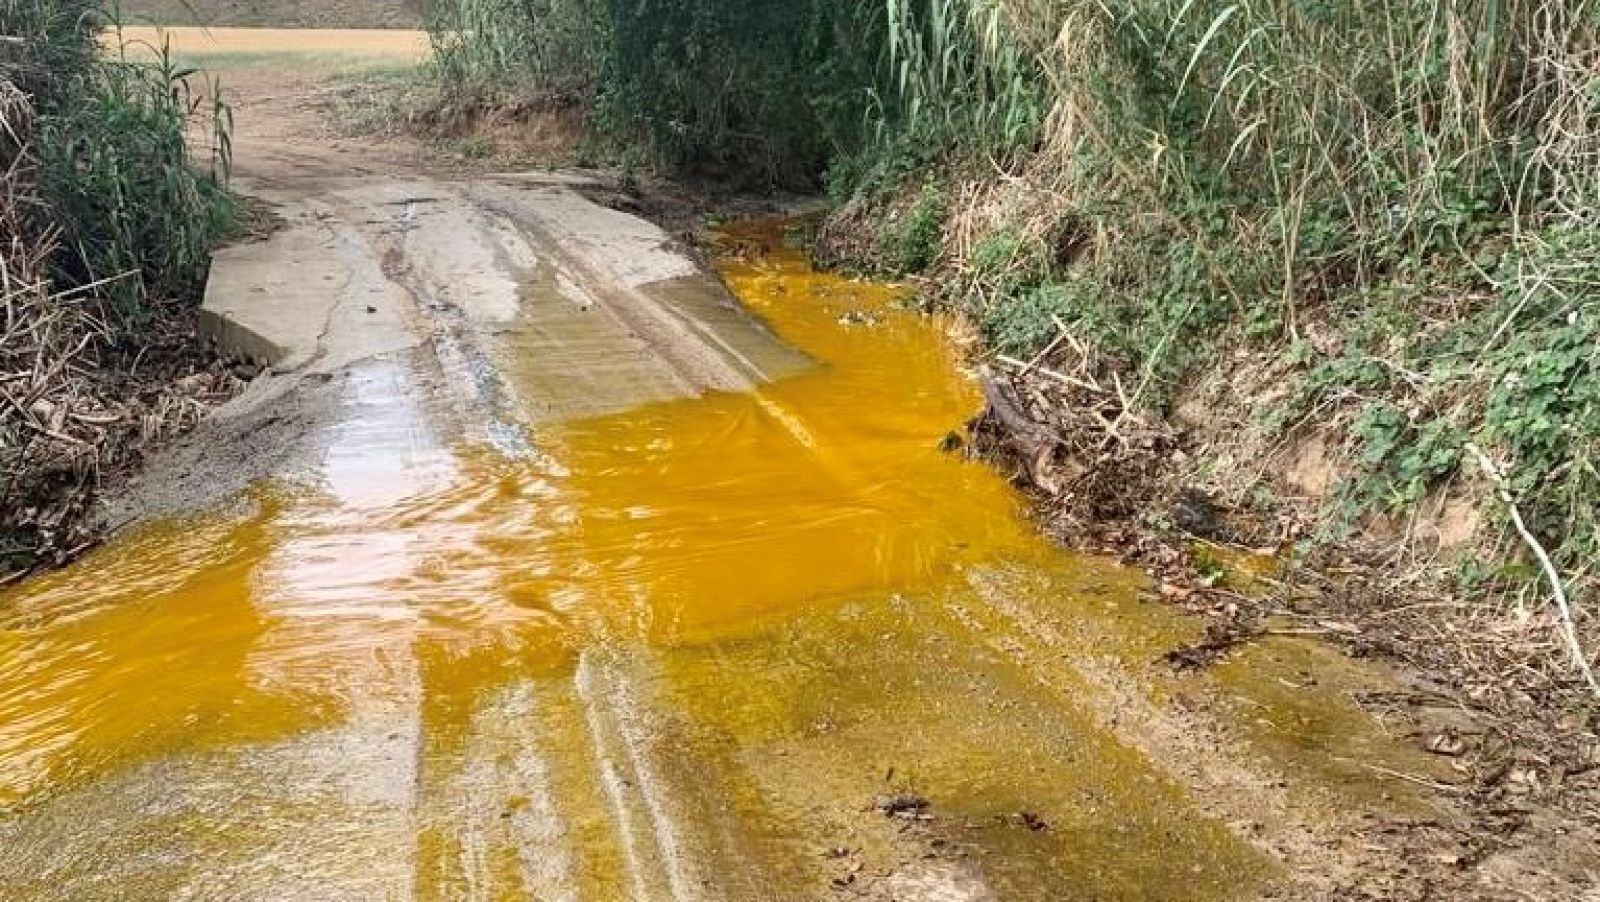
x=75, y=406
x=49, y=429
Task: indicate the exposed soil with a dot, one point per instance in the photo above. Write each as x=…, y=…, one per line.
x=1488, y=694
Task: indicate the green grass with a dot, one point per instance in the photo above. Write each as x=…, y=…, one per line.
x=1397, y=201
x=912, y=241
x=339, y=65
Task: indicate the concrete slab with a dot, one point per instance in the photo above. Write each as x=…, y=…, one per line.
x=537, y=302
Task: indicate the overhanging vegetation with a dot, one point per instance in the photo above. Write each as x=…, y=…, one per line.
x=105, y=218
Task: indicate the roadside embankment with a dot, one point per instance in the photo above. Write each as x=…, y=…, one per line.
x=1308, y=281
x=1258, y=285
x=106, y=227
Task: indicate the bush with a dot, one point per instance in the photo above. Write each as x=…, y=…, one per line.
x=101, y=216
x=766, y=91
x=490, y=50
x=911, y=243
x=1414, y=179
x=135, y=216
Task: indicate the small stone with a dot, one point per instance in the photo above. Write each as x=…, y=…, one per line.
x=901, y=804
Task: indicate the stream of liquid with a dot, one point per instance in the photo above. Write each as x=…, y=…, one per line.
x=672, y=652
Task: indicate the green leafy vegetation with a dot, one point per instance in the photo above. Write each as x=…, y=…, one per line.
x=911, y=242
x=105, y=221
x=774, y=90
x=116, y=174
x=489, y=51
x=1393, y=203
x=133, y=214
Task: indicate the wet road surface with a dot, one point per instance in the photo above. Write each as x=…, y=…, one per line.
x=604, y=586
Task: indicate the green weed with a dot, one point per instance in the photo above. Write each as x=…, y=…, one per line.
x=1395, y=200
x=137, y=215
x=116, y=173
x=912, y=242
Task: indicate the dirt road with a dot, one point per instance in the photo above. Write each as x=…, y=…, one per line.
x=539, y=565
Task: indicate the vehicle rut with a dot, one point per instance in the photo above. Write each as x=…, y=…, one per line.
x=598, y=575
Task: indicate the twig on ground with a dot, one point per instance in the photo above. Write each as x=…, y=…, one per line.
x=1569, y=627
x=1412, y=778
x=1023, y=368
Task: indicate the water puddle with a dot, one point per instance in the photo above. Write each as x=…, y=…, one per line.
x=679, y=650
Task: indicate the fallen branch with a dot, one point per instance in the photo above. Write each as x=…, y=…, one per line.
x=1434, y=785
x=1569, y=627
x=1007, y=409
x=1023, y=368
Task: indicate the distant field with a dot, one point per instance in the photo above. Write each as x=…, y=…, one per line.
x=276, y=13
x=327, y=52
x=245, y=45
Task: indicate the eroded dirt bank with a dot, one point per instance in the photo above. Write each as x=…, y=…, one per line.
x=534, y=566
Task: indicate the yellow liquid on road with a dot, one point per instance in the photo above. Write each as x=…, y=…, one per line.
x=674, y=648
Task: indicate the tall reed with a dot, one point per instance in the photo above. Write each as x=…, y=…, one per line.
x=136, y=213
x=1402, y=199
x=549, y=48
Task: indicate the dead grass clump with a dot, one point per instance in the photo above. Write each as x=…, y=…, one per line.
x=48, y=433
x=75, y=403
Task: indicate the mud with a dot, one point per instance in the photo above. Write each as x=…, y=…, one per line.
x=535, y=566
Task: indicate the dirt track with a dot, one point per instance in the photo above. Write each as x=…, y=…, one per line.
x=572, y=578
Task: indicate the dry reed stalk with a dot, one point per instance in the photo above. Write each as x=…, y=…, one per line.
x=52, y=426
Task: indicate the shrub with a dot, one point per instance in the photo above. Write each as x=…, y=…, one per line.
x=911, y=243
x=117, y=177
x=485, y=50
x=768, y=90
x=136, y=217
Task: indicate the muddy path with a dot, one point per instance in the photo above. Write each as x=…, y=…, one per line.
x=540, y=562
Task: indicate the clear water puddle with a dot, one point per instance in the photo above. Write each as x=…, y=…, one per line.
x=676, y=652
